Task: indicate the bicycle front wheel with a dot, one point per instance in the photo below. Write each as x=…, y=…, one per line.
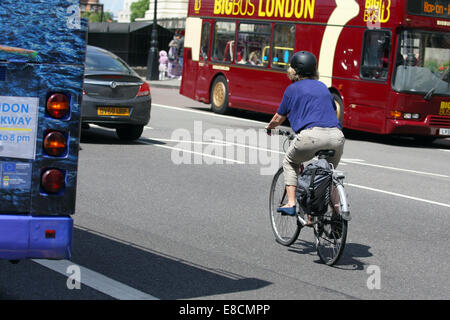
x=286, y=228
x=331, y=231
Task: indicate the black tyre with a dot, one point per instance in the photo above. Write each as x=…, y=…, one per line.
x=219, y=96
x=285, y=228
x=331, y=233
x=129, y=132
x=424, y=140
x=339, y=108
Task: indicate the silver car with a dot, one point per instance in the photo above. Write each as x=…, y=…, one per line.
x=114, y=95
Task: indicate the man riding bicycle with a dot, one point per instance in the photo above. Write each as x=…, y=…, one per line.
x=310, y=108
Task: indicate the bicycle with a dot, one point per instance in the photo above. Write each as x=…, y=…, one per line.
x=330, y=228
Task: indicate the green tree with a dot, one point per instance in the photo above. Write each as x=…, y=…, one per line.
x=96, y=17
x=138, y=9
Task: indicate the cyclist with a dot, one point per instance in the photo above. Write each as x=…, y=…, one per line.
x=310, y=108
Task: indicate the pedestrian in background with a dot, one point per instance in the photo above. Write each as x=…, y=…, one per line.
x=174, y=70
x=180, y=48
x=163, y=64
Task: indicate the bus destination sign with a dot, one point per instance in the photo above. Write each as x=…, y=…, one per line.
x=433, y=8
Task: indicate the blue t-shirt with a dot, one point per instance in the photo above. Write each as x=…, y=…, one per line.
x=308, y=103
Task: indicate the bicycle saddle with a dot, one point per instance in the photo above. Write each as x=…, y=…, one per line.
x=325, y=153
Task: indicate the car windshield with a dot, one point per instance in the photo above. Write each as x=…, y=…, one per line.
x=97, y=60
x=422, y=63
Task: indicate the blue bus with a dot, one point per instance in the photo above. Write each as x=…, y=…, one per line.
x=42, y=55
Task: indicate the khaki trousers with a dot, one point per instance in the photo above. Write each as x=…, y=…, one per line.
x=306, y=144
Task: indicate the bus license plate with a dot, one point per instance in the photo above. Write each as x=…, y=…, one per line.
x=444, y=132
x=111, y=111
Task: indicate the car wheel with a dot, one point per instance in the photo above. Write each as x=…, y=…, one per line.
x=129, y=132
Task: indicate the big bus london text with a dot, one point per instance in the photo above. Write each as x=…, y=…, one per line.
x=386, y=62
x=42, y=54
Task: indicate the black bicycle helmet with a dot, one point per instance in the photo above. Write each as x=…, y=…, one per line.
x=304, y=63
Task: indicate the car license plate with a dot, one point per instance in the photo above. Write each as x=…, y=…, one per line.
x=113, y=111
x=444, y=132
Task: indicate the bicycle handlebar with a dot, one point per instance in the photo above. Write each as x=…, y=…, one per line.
x=281, y=132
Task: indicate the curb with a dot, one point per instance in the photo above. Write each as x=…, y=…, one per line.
x=157, y=84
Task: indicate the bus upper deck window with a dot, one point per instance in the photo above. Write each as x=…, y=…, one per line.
x=223, y=43
x=283, y=45
x=252, y=40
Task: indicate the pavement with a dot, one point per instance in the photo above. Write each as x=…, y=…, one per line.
x=168, y=83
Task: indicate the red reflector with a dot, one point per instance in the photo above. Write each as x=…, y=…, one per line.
x=52, y=181
x=50, y=234
x=55, y=144
x=144, y=90
x=58, y=105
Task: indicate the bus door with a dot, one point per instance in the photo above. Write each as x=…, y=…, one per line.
x=203, y=80
x=369, y=113
x=42, y=53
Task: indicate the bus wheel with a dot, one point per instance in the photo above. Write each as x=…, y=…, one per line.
x=219, y=96
x=339, y=108
x=425, y=140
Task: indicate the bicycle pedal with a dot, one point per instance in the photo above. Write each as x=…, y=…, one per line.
x=311, y=224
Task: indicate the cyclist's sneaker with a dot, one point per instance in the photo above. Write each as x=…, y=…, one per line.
x=287, y=211
x=346, y=216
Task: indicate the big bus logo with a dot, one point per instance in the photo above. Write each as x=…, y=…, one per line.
x=300, y=9
x=377, y=12
x=198, y=6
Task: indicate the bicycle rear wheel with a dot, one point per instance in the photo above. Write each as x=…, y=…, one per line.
x=286, y=228
x=331, y=231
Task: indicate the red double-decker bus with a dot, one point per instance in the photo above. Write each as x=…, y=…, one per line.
x=385, y=61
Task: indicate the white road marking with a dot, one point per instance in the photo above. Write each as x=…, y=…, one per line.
x=395, y=169
x=247, y=146
x=208, y=114
x=399, y=195
x=191, y=141
x=98, y=281
x=192, y=152
x=346, y=161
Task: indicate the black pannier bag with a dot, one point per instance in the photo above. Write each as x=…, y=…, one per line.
x=314, y=187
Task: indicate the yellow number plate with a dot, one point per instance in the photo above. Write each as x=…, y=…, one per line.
x=445, y=108
x=111, y=111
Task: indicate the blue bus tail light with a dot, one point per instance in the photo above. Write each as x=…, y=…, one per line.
x=52, y=181
x=50, y=234
x=58, y=106
x=55, y=144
